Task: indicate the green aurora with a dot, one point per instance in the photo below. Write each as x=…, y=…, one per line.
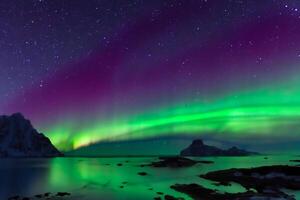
x=270, y=111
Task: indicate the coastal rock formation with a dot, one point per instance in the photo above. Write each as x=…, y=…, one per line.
x=267, y=182
x=18, y=138
x=198, y=148
x=260, y=178
x=199, y=192
x=45, y=196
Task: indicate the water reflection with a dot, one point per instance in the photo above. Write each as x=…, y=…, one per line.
x=23, y=176
x=91, y=178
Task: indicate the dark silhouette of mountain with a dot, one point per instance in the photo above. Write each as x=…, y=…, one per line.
x=198, y=148
x=18, y=138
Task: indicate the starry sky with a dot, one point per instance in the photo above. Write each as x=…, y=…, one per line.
x=102, y=71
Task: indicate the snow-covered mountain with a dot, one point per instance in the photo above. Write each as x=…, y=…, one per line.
x=18, y=138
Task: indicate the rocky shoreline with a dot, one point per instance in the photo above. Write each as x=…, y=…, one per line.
x=264, y=182
x=199, y=192
x=44, y=196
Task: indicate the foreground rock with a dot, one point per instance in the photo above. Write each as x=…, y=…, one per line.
x=260, y=178
x=265, y=180
x=169, y=197
x=294, y=160
x=198, y=192
x=19, y=139
x=45, y=196
x=176, y=162
x=142, y=173
x=62, y=194
x=198, y=148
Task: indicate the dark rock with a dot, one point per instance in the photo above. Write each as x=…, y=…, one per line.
x=157, y=198
x=159, y=193
x=173, y=162
x=195, y=191
x=47, y=194
x=39, y=196
x=119, y=164
x=198, y=148
x=62, y=194
x=294, y=160
x=260, y=178
x=122, y=186
x=142, y=173
x=19, y=139
x=169, y=197
x=14, y=197
x=234, y=151
x=267, y=181
x=198, y=192
x=205, y=161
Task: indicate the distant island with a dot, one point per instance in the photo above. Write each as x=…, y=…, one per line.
x=18, y=138
x=198, y=148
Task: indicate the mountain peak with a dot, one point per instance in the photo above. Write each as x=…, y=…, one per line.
x=18, y=138
x=198, y=148
x=198, y=142
x=18, y=115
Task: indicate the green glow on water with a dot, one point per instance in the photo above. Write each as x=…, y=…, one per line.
x=92, y=178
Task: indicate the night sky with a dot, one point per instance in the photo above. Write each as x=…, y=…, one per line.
x=102, y=70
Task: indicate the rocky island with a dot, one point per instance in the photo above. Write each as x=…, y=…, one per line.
x=198, y=148
x=18, y=138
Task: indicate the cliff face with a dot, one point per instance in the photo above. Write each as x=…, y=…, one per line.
x=198, y=148
x=18, y=138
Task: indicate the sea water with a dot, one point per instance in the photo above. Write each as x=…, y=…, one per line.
x=103, y=178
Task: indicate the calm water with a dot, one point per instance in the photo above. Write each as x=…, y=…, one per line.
x=92, y=178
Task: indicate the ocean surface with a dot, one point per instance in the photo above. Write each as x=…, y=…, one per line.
x=103, y=178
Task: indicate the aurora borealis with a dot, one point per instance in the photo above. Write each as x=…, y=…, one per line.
x=122, y=70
